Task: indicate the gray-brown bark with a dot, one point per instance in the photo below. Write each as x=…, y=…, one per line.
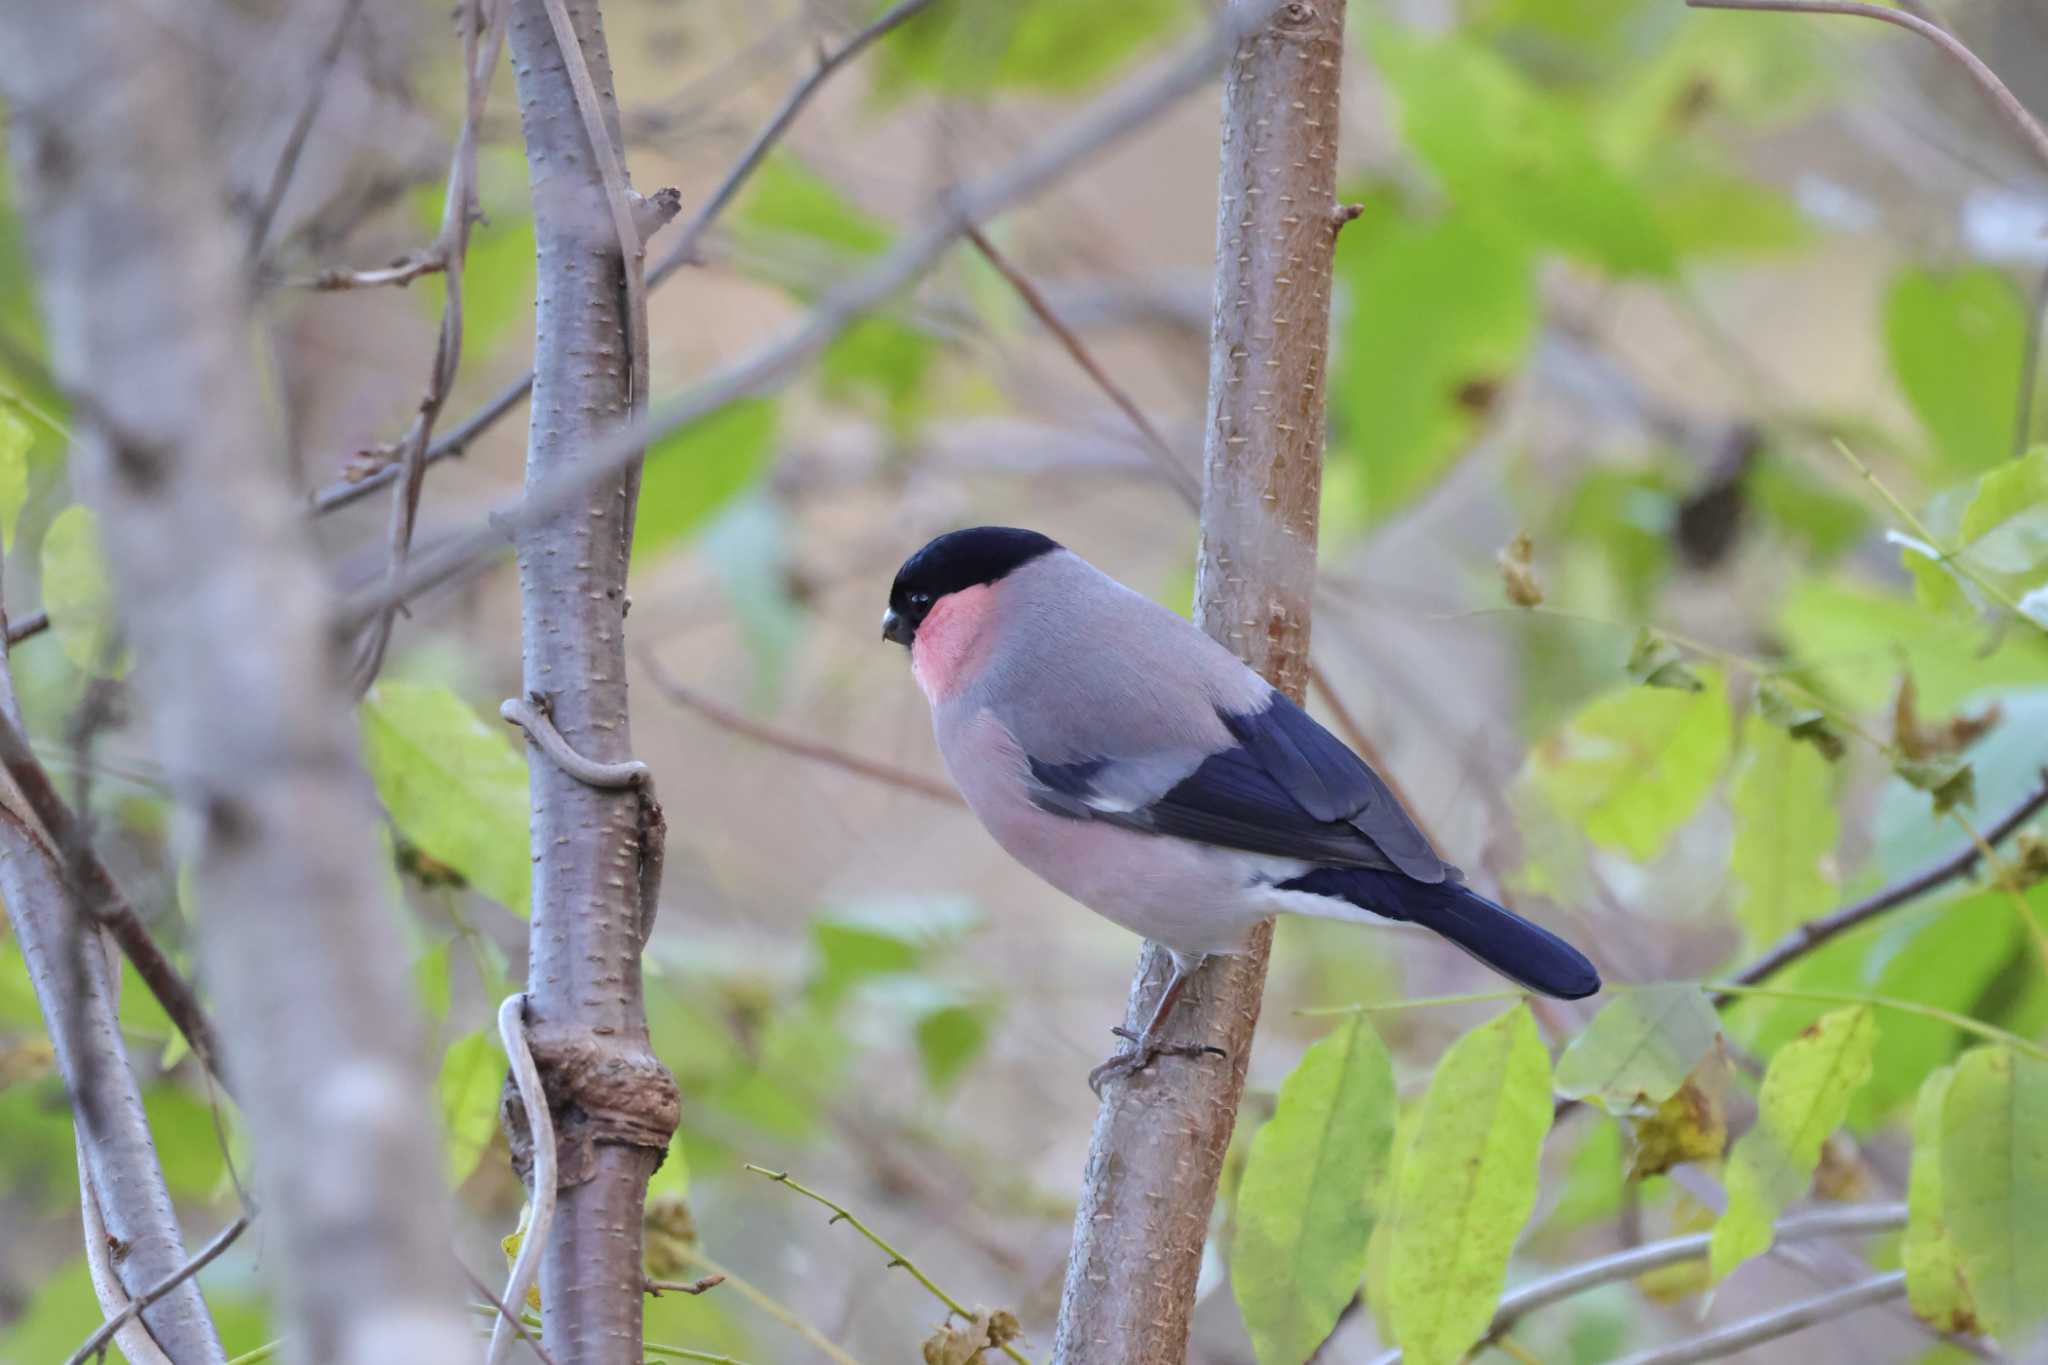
x=614, y=1104
x=146, y=292
x=1160, y=1136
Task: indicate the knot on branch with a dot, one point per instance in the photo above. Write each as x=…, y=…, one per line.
x=600, y=1090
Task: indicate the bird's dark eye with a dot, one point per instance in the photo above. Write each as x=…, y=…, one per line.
x=920, y=599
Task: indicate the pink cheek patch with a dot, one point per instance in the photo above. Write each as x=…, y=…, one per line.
x=951, y=640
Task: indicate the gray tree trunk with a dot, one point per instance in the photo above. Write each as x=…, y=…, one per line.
x=1160, y=1137
x=148, y=301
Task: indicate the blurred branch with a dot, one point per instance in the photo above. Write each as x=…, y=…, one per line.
x=1770, y=1326
x=502, y=1314
x=96, y=1344
x=684, y=252
x=295, y=140
x=1184, y=483
x=842, y=1214
x=770, y=1305
x=2025, y=124
x=1630, y=1262
x=144, y=285
x=27, y=628
x=483, y=37
x=1116, y=116
x=99, y=896
x=816, y=750
x=1812, y=934
x=2030, y=364
x=398, y=274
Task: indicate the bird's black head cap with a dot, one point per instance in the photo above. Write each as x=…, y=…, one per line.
x=955, y=561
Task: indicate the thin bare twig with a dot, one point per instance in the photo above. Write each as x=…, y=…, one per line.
x=842, y=1214
x=1118, y=115
x=483, y=38
x=105, y=905
x=398, y=274
x=1633, y=1261
x=295, y=141
x=1812, y=934
x=1184, y=483
x=657, y=1288
x=540, y=1122
x=772, y=1306
x=817, y=751
x=27, y=627
x=2024, y=123
x=97, y=1343
x=684, y=252
x=1770, y=1326
x=505, y=1314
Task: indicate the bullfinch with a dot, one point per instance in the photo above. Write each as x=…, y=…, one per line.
x=1137, y=765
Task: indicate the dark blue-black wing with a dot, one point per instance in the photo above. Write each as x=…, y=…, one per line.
x=1287, y=788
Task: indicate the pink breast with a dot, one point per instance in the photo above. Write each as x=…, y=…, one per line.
x=951, y=641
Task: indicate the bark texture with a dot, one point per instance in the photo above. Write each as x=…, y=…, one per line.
x=1160, y=1136
x=146, y=292
x=614, y=1104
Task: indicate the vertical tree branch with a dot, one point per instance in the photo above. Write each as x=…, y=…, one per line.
x=1160, y=1136
x=614, y=1104
x=144, y=283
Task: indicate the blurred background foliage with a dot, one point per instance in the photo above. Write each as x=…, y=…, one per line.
x=1731, y=318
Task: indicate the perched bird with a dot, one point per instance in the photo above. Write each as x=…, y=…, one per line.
x=1137, y=765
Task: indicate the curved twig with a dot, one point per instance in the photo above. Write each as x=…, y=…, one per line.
x=541, y=1123
x=1770, y=1326
x=97, y=1342
x=2029, y=128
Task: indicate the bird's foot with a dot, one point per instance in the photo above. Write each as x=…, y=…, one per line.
x=1146, y=1047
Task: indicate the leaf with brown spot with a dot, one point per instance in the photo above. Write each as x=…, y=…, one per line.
x=1518, y=571
x=1692, y=1125
x=1919, y=739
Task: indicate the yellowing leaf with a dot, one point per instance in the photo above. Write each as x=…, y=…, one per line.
x=77, y=592
x=1309, y=1198
x=1640, y=1048
x=1466, y=1187
x=1689, y=1126
x=693, y=473
x=1994, y=1186
x=1934, y=1269
x=1784, y=829
x=1805, y=1096
x=455, y=787
x=1635, y=764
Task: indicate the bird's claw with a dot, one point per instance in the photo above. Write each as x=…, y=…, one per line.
x=1144, y=1051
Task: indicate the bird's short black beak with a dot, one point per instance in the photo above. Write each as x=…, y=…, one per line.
x=897, y=627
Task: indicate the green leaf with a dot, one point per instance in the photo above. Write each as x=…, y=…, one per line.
x=77, y=593
x=1708, y=214
x=2005, y=523
x=472, y=1074
x=1805, y=1096
x=1640, y=1048
x=1994, y=1185
x=1853, y=642
x=1505, y=149
x=1784, y=832
x=788, y=199
x=1955, y=341
x=1945, y=955
x=1438, y=316
x=1934, y=1268
x=1949, y=781
x=1635, y=764
x=1805, y=508
x=455, y=786
x=1802, y=721
x=17, y=437
x=1051, y=45
x=1309, y=1198
x=883, y=357
x=883, y=938
x=1467, y=1187
x=692, y=473
x=949, y=1038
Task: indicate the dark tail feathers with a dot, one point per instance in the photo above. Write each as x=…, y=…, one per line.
x=1523, y=952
